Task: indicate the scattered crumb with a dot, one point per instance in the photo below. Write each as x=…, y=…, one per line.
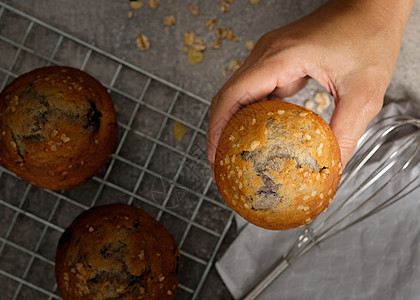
x=249, y=45
x=184, y=49
x=254, y=1
x=194, y=10
x=226, y=33
x=153, y=4
x=309, y=104
x=189, y=38
x=221, y=33
x=323, y=101
x=234, y=65
x=169, y=20
x=130, y=14
x=224, y=72
x=216, y=44
x=231, y=36
x=199, y=44
x=211, y=23
x=224, y=6
x=195, y=56
x=136, y=4
x=143, y=42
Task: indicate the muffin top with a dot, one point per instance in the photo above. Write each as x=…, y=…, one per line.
x=277, y=164
x=116, y=251
x=57, y=127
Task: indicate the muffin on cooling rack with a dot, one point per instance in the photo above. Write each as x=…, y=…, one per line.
x=116, y=251
x=277, y=164
x=57, y=127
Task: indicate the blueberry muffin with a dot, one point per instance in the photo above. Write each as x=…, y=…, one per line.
x=57, y=127
x=116, y=251
x=277, y=164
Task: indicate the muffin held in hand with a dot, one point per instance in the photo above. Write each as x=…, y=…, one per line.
x=57, y=127
x=277, y=164
x=116, y=251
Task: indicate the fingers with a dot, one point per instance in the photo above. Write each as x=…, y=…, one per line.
x=249, y=84
x=289, y=90
x=350, y=118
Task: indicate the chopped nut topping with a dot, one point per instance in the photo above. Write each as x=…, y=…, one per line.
x=65, y=138
x=161, y=278
x=211, y=23
x=169, y=20
x=194, y=10
x=91, y=229
x=13, y=144
x=143, y=42
x=255, y=144
x=169, y=293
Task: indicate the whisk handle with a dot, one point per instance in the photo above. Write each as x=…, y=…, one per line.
x=267, y=279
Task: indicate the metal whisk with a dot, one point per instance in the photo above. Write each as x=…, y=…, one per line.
x=384, y=168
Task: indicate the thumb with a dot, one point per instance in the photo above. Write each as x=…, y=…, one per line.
x=350, y=119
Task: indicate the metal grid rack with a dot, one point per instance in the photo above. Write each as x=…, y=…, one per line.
x=150, y=169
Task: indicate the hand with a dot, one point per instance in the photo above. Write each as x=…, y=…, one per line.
x=349, y=48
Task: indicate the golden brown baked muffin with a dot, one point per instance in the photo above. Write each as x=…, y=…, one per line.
x=277, y=164
x=57, y=127
x=116, y=251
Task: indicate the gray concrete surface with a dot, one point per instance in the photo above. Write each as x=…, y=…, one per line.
x=106, y=25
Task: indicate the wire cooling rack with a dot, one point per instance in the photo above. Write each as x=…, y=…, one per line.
x=150, y=169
